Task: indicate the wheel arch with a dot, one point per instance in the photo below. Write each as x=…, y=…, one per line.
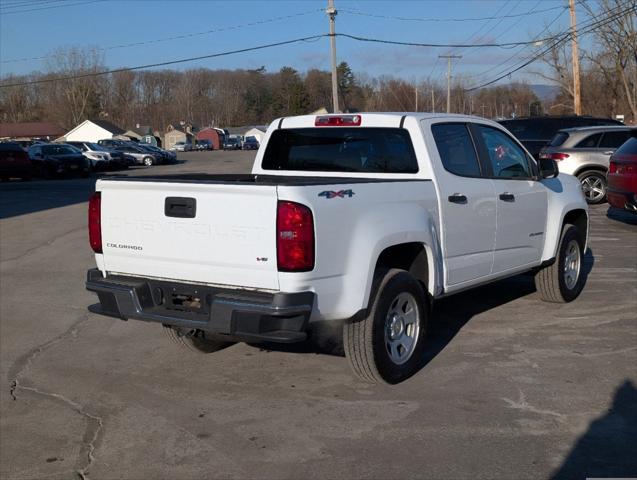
x=413, y=257
x=590, y=168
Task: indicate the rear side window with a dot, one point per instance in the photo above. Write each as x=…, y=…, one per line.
x=341, y=149
x=614, y=139
x=456, y=149
x=558, y=139
x=589, y=142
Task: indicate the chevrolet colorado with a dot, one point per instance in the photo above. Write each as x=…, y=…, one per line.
x=361, y=219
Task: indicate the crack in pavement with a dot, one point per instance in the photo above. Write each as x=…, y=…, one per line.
x=42, y=245
x=524, y=406
x=95, y=423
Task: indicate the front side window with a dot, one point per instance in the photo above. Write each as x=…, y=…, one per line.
x=506, y=158
x=456, y=149
x=614, y=139
x=341, y=149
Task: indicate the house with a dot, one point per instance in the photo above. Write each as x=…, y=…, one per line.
x=178, y=132
x=257, y=131
x=143, y=134
x=28, y=131
x=94, y=130
x=214, y=135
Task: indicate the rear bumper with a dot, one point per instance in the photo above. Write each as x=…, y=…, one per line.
x=240, y=315
x=620, y=199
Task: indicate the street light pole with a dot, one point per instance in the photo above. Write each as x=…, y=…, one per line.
x=331, y=13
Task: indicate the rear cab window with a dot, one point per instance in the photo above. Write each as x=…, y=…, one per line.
x=341, y=149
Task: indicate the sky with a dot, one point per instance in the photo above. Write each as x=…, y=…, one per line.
x=35, y=28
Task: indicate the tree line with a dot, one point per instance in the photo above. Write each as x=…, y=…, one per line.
x=250, y=97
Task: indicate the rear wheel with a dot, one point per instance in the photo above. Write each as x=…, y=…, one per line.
x=563, y=281
x=593, y=186
x=388, y=344
x=194, y=339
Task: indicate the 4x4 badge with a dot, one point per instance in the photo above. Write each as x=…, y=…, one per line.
x=331, y=194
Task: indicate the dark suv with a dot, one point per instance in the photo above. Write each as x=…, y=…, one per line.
x=536, y=132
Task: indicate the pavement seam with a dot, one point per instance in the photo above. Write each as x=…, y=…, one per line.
x=95, y=423
x=42, y=245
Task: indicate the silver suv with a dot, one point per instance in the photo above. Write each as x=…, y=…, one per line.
x=585, y=153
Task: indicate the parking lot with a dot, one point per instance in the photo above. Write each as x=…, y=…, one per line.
x=513, y=387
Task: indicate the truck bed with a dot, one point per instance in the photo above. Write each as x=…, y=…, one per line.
x=247, y=178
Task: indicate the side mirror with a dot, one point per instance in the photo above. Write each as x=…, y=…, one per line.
x=548, y=168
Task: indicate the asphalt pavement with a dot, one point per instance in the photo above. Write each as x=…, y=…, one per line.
x=512, y=387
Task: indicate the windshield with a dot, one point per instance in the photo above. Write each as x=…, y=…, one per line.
x=59, y=150
x=341, y=149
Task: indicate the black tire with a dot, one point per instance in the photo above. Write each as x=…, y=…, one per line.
x=551, y=282
x=195, y=340
x=591, y=178
x=365, y=341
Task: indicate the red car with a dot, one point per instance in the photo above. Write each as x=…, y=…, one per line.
x=622, y=176
x=14, y=162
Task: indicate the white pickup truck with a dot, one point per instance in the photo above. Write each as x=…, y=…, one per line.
x=361, y=219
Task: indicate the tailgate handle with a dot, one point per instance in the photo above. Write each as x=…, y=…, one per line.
x=180, y=207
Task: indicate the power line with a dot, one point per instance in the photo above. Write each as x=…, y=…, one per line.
x=415, y=19
x=58, y=5
x=564, y=37
x=182, y=36
x=162, y=64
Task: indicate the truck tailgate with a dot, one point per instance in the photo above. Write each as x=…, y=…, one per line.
x=210, y=233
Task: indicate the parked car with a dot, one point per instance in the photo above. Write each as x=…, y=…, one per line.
x=14, y=162
x=585, y=152
x=204, y=144
x=359, y=221
x=51, y=159
x=140, y=155
x=112, y=143
x=250, y=143
x=181, y=147
x=536, y=132
x=232, y=143
x=166, y=156
x=100, y=158
x=622, y=176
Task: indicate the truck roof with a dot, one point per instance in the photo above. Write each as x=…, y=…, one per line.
x=373, y=119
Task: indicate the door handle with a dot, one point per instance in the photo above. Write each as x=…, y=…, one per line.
x=610, y=152
x=180, y=207
x=458, y=198
x=507, y=197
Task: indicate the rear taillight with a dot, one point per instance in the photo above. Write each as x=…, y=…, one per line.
x=338, y=121
x=612, y=168
x=294, y=237
x=95, y=222
x=557, y=156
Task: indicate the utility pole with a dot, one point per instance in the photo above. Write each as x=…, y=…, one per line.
x=449, y=57
x=416, y=90
x=575, y=51
x=331, y=13
x=433, y=101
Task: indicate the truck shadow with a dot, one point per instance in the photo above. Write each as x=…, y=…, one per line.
x=449, y=316
x=607, y=449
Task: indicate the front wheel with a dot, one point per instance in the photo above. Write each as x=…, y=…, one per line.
x=387, y=345
x=594, y=186
x=563, y=281
x=148, y=161
x=195, y=340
